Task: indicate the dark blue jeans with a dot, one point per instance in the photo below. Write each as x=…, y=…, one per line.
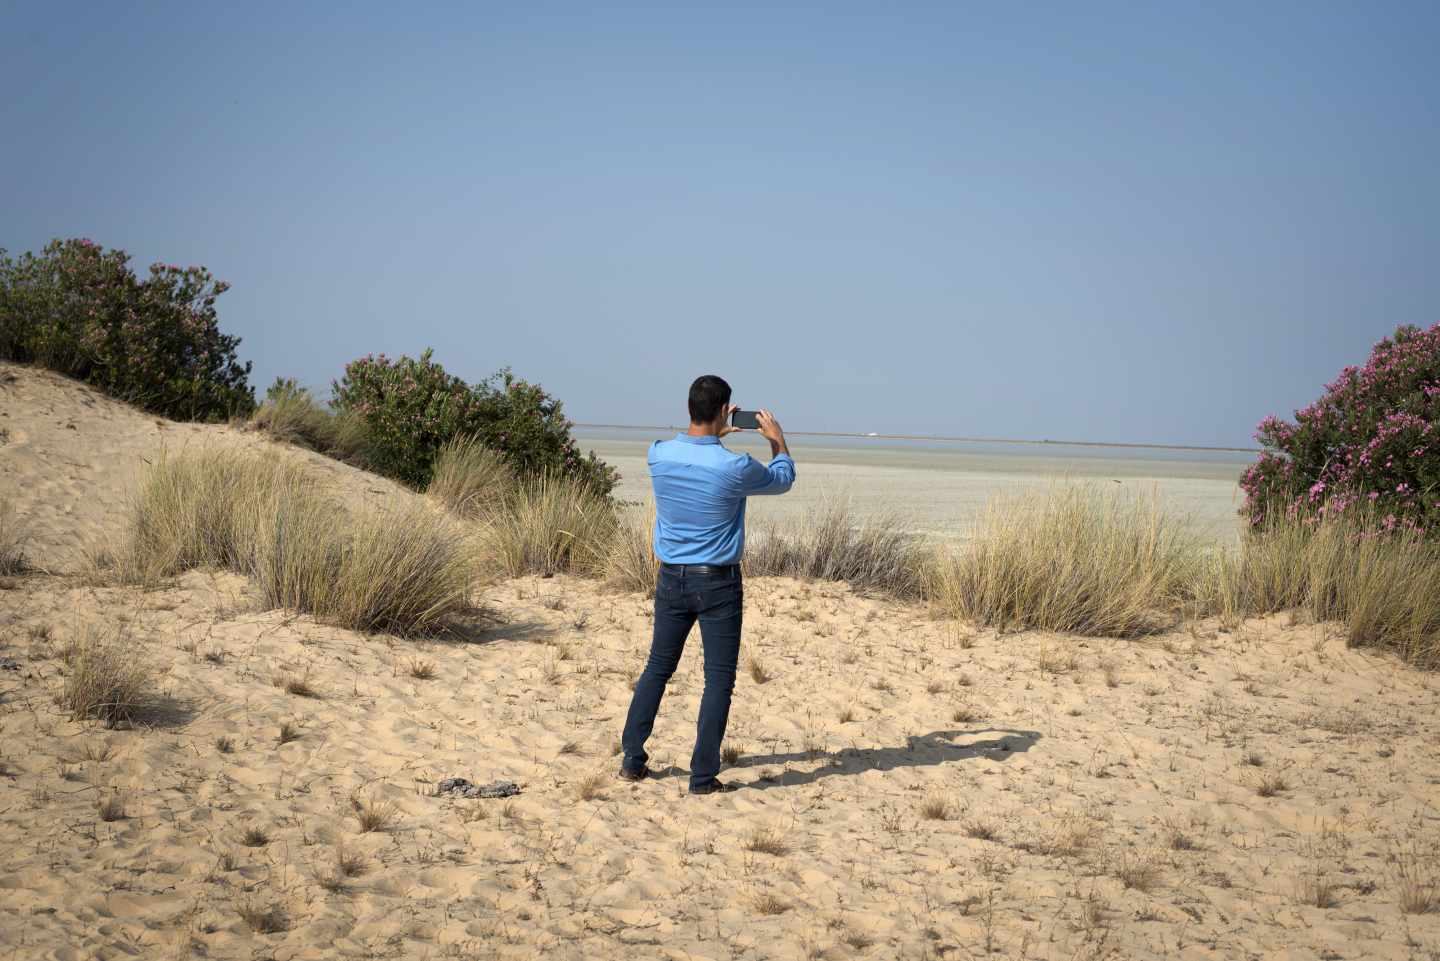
x=717, y=601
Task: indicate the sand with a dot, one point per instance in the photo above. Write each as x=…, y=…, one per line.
x=1098, y=798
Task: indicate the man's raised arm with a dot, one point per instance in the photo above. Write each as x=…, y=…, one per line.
x=775, y=477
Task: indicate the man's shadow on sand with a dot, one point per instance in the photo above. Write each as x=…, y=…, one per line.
x=925, y=750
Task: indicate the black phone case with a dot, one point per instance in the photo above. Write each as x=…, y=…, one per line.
x=745, y=419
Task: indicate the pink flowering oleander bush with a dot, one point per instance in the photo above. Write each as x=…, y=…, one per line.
x=1372, y=438
x=79, y=309
x=411, y=408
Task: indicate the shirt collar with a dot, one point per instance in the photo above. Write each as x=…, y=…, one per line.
x=691, y=439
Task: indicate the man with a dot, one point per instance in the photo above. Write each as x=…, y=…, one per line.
x=700, y=491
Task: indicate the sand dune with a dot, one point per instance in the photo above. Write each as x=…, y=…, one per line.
x=910, y=788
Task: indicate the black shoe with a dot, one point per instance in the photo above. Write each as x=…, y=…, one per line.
x=634, y=774
x=714, y=787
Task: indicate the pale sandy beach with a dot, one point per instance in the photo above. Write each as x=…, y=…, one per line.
x=910, y=787
x=939, y=487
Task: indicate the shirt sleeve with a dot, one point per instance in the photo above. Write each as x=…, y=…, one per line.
x=773, y=478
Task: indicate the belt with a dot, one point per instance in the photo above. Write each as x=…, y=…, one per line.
x=702, y=568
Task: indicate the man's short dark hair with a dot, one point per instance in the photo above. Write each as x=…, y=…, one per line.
x=708, y=397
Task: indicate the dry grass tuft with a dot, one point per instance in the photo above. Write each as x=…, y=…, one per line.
x=1383, y=585
x=730, y=755
x=296, y=684
x=1057, y=660
x=965, y=714
x=592, y=787
x=291, y=415
x=1416, y=873
x=374, y=815
x=289, y=731
x=1138, y=871
x=981, y=829
x=1077, y=558
x=1070, y=836
x=757, y=670
x=873, y=554
x=630, y=562
x=1316, y=887
x=12, y=542
x=255, y=836
x=763, y=840
x=405, y=571
x=350, y=864
x=105, y=678
x=936, y=807
x=111, y=808
x=420, y=669
x=263, y=917
x=471, y=479
x=550, y=525
x=1269, y=785
x=769, y=904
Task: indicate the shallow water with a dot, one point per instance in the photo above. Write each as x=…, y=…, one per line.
x=940, y=486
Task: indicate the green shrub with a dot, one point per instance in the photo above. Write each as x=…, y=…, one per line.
x=80, y=310
x=527, y=425
x=1372, y=439
x=412, y=408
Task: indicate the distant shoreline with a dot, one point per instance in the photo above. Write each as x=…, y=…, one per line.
x=964, y=440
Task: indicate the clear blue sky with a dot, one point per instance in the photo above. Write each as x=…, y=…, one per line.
x=1143, y=222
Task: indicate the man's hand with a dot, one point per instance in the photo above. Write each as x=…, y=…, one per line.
x=725, y=427
x=770, y=430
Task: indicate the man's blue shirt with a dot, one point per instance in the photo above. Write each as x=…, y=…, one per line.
x=700, y=491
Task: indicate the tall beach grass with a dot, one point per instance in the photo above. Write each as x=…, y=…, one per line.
x=874, y=554
x=1382, y=585
x=630, y=563
x=471, y=479
x=549, y=525
x=405, y=570
x=292, y=415
x=1075, y=558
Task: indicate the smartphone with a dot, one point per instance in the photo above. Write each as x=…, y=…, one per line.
x=745, y=419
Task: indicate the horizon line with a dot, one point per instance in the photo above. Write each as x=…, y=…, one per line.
x=965, y=440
